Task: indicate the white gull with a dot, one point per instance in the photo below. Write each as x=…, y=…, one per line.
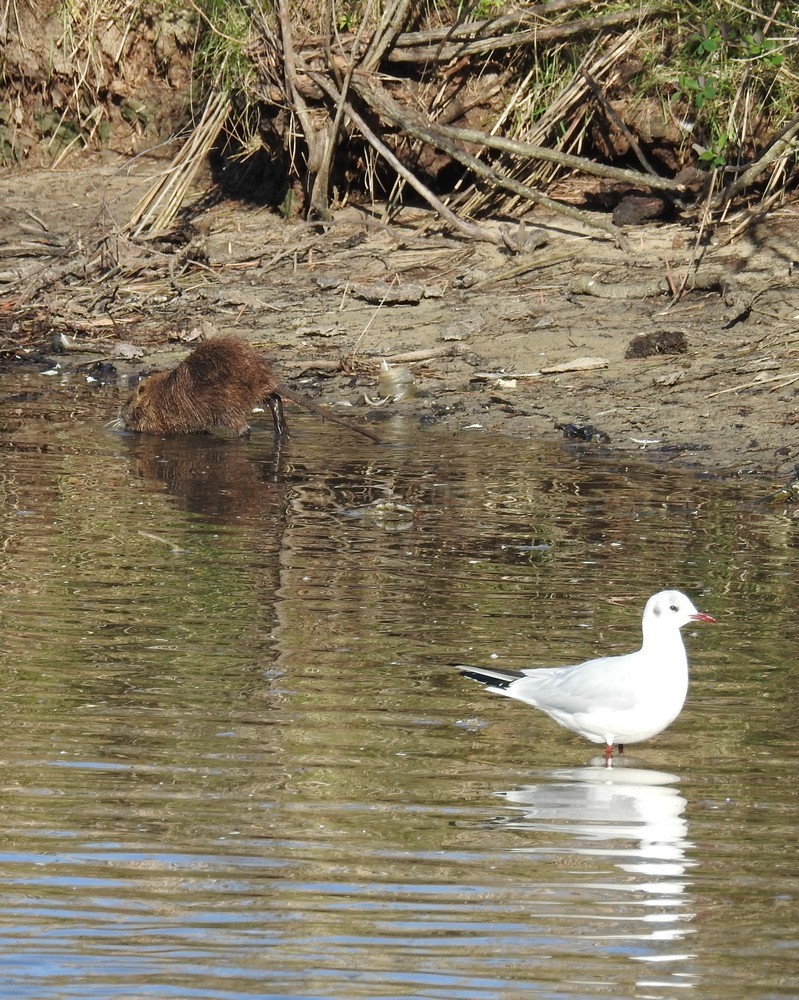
x=613, y=699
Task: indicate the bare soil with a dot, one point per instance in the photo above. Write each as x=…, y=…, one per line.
x=719, y=394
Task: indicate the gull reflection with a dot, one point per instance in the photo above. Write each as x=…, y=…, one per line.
x=604, y=805
x=631, y=820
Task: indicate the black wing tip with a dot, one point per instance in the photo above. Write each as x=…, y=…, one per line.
x=485, y=676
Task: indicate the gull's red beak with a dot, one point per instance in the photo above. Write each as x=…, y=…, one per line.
x=700, y=616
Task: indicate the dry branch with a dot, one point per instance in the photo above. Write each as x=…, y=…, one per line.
x=781, y=146
x=526, y=150
x=467, y=229
x=383, y=104
x=312, y=139
x=471, y=38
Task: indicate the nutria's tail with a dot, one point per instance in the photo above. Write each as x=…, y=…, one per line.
x=323, y=411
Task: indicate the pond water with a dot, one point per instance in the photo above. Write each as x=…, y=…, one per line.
x=237, y=761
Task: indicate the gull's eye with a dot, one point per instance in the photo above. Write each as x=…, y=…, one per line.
x=674, y=608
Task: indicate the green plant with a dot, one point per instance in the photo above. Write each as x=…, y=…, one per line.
x=706, y=40
x=484, y=9
x=714, y=156
x=701, y=88
x=222, y=60
x=757, y=46
x=723, y=75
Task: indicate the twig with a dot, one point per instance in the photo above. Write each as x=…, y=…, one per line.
x=758, y=382
x=781, y=146
x=412, y=123
x=467, y=229
x=450, y=43
x=611, y=112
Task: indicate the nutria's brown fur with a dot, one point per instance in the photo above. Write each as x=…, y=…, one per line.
x=217, y=385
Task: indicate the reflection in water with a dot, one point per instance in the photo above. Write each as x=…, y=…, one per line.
x=232, y=758
x=599, y=808
x=223, y=480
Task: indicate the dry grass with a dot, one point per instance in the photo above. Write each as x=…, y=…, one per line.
x=719, y=75
x=157, y=210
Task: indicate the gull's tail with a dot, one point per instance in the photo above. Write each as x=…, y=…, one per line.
x=498, y=679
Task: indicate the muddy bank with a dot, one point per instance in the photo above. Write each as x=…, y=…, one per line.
x=570, y=336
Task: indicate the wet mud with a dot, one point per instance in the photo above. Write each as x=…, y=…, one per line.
x=685, y=351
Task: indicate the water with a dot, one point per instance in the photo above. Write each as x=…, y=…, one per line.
x=238, y=763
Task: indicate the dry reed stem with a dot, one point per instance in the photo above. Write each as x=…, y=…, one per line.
x=601, y=65
x=384, y=38
x=157, y=209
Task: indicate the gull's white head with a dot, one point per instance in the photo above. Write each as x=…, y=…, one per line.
x=669, y=610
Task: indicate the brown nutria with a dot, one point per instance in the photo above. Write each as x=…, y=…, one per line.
x=217, y=385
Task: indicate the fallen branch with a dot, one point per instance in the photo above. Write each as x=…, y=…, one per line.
x=781, y=146
x=371, y=363
x=455, y=41
x=540, y=260
x=405, y=53
x=412, y=123
x=468, y=229
x=530, y=151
